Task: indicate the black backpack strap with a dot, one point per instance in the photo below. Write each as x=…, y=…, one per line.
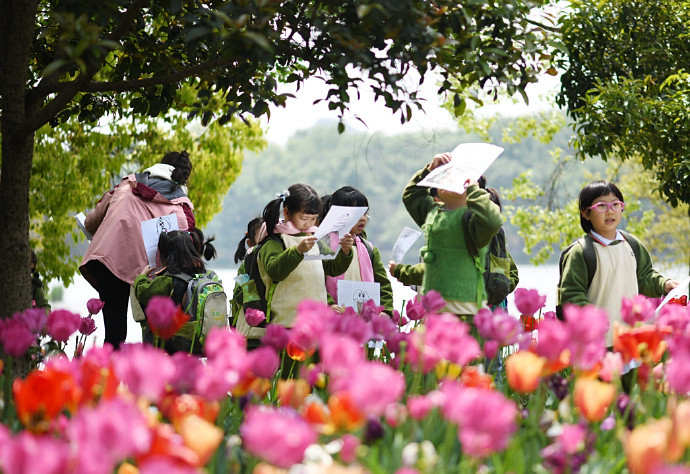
x=471, y=245
x=370, y=249
x=181, y=288
x=590, y=256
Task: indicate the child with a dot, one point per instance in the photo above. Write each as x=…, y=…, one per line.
x=245, y=246
x=623, y=264
x=37, y=294
x=449, y=267
x=366, y=261
x=288, y=277
x=203, y=245
x=178, y=255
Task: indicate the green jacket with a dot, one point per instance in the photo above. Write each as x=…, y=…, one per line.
x=409, y=274
x=145, y=289
x=236, y=302
x=453, y=272
x=574, y=280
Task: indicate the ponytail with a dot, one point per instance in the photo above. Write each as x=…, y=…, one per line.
x=297, y=198
x=241, y=251
x=271, y=216
x=182, y=164
x=203, y=247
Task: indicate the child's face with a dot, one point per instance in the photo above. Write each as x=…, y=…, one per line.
x=604, y=223
x=302, y=221
x=360, y=225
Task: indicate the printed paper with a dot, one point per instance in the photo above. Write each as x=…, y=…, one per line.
x=152, y=229
x=470, y=161
x=338, y=222
x=355, y=293
x=405, y=240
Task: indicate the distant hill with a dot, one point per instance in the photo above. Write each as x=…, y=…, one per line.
x=379, y=165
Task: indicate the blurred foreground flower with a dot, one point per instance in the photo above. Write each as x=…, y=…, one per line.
x=254, y=317
x=164, y=317
x=94, y=306
x=524, y=370
x=593, y=398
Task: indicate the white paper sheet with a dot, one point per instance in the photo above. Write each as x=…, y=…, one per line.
x=405, y=240
x=355, y=293
x=80, y=218
x=470, y=161
x=338, y=222
x=677, y=291
x=152, y=229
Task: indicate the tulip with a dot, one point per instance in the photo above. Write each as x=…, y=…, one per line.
x=254, y=317
x=523, y=371
x=646, y=446
x=202, y=436
x=593, y=398
x=528, y=301
x=94, y=305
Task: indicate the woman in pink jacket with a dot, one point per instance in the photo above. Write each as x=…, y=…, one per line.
x=116, y=255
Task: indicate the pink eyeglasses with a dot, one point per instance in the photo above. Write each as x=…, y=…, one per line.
x=607, y=206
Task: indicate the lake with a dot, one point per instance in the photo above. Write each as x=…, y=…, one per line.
x=543, y=278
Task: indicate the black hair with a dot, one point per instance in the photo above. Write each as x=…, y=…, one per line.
x=35, y=277
x=495, y=197
x=326, y=206
x=203, y=246
x=433, y=192
x=589, y=193
x=250, y=238
x=299, y=198
x=350, y=197
x=482, y=182
x=182, y=164
x=179, y=254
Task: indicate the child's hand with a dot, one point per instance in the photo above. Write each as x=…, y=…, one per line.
x=669, y=285
x=337, y=309
x=391, y=266
x=346, y=243
x=305, y=245
x=439, y=160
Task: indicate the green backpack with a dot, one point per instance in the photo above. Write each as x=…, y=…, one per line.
x=205, y=302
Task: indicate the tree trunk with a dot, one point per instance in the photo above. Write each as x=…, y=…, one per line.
x=16, y=35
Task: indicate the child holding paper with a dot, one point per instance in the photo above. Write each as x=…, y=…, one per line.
x=366, y=263
x=450, y=269
x=289, y=277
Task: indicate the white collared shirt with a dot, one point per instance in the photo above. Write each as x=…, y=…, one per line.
x=604, y=241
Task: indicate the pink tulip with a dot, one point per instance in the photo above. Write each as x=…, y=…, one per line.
x=638, y=309
x=415, y=310
x=348, y=453
x=490, y=349
x=353, y=325
x=224, y=343
x=419, y=406
x=552, y=339
x=572, y=438
x=433, y=301
x=264, y=435
x=109, y=433
x=371, y=310
x=676, y=316
x=276, y=336
x=94, y=305
x=313, y=320
x=221, y=375
x=587, y=326
x=34, y=318
x=188, y=369
x=498, y=325
x=340, y=355
x=16, y=337
x=611, y=366
x=678, y=372
x=62, y=324
x=254, y=317
x=144, y=369
x=373, y=386
x=528, y=301
x=87, y=326
x=486, y=418
x=264, y=362
x=450, y=339
x=28, y=453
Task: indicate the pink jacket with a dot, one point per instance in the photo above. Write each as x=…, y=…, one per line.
x=115, y=224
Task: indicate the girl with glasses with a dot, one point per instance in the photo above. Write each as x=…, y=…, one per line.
x=607, y=264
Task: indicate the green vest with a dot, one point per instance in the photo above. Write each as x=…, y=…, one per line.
x=449, y=267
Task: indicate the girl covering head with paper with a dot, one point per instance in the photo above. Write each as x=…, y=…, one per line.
x=366, y=263
x=287, y=276
x=450, y=268
x=117, y=254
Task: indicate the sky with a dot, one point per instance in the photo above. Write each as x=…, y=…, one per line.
x=300, y=113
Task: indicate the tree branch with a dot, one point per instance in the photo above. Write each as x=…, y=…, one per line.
x=50, y=110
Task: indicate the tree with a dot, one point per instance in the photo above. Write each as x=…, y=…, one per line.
x=69, y=173
x=624, y=84
x=86, y=59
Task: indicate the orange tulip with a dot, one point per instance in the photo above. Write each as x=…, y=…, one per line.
x=292, y=392
x=593, y=398
x=523, y=371
x=472, y=377
x=177, y=407
x=201, y=436
x=647, y=445
x=644, y=343
x=43, y=396
x=297, y=352
x=168, y=444
x=127, y=468
x=98, y=382
x=344, y=413
x=680, y=436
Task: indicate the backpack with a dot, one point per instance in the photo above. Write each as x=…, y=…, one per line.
x=590, y=256
x=496, y=264
x=253, y=289
x=206, y=304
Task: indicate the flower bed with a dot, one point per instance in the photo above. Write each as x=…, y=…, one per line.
x=440, y=395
